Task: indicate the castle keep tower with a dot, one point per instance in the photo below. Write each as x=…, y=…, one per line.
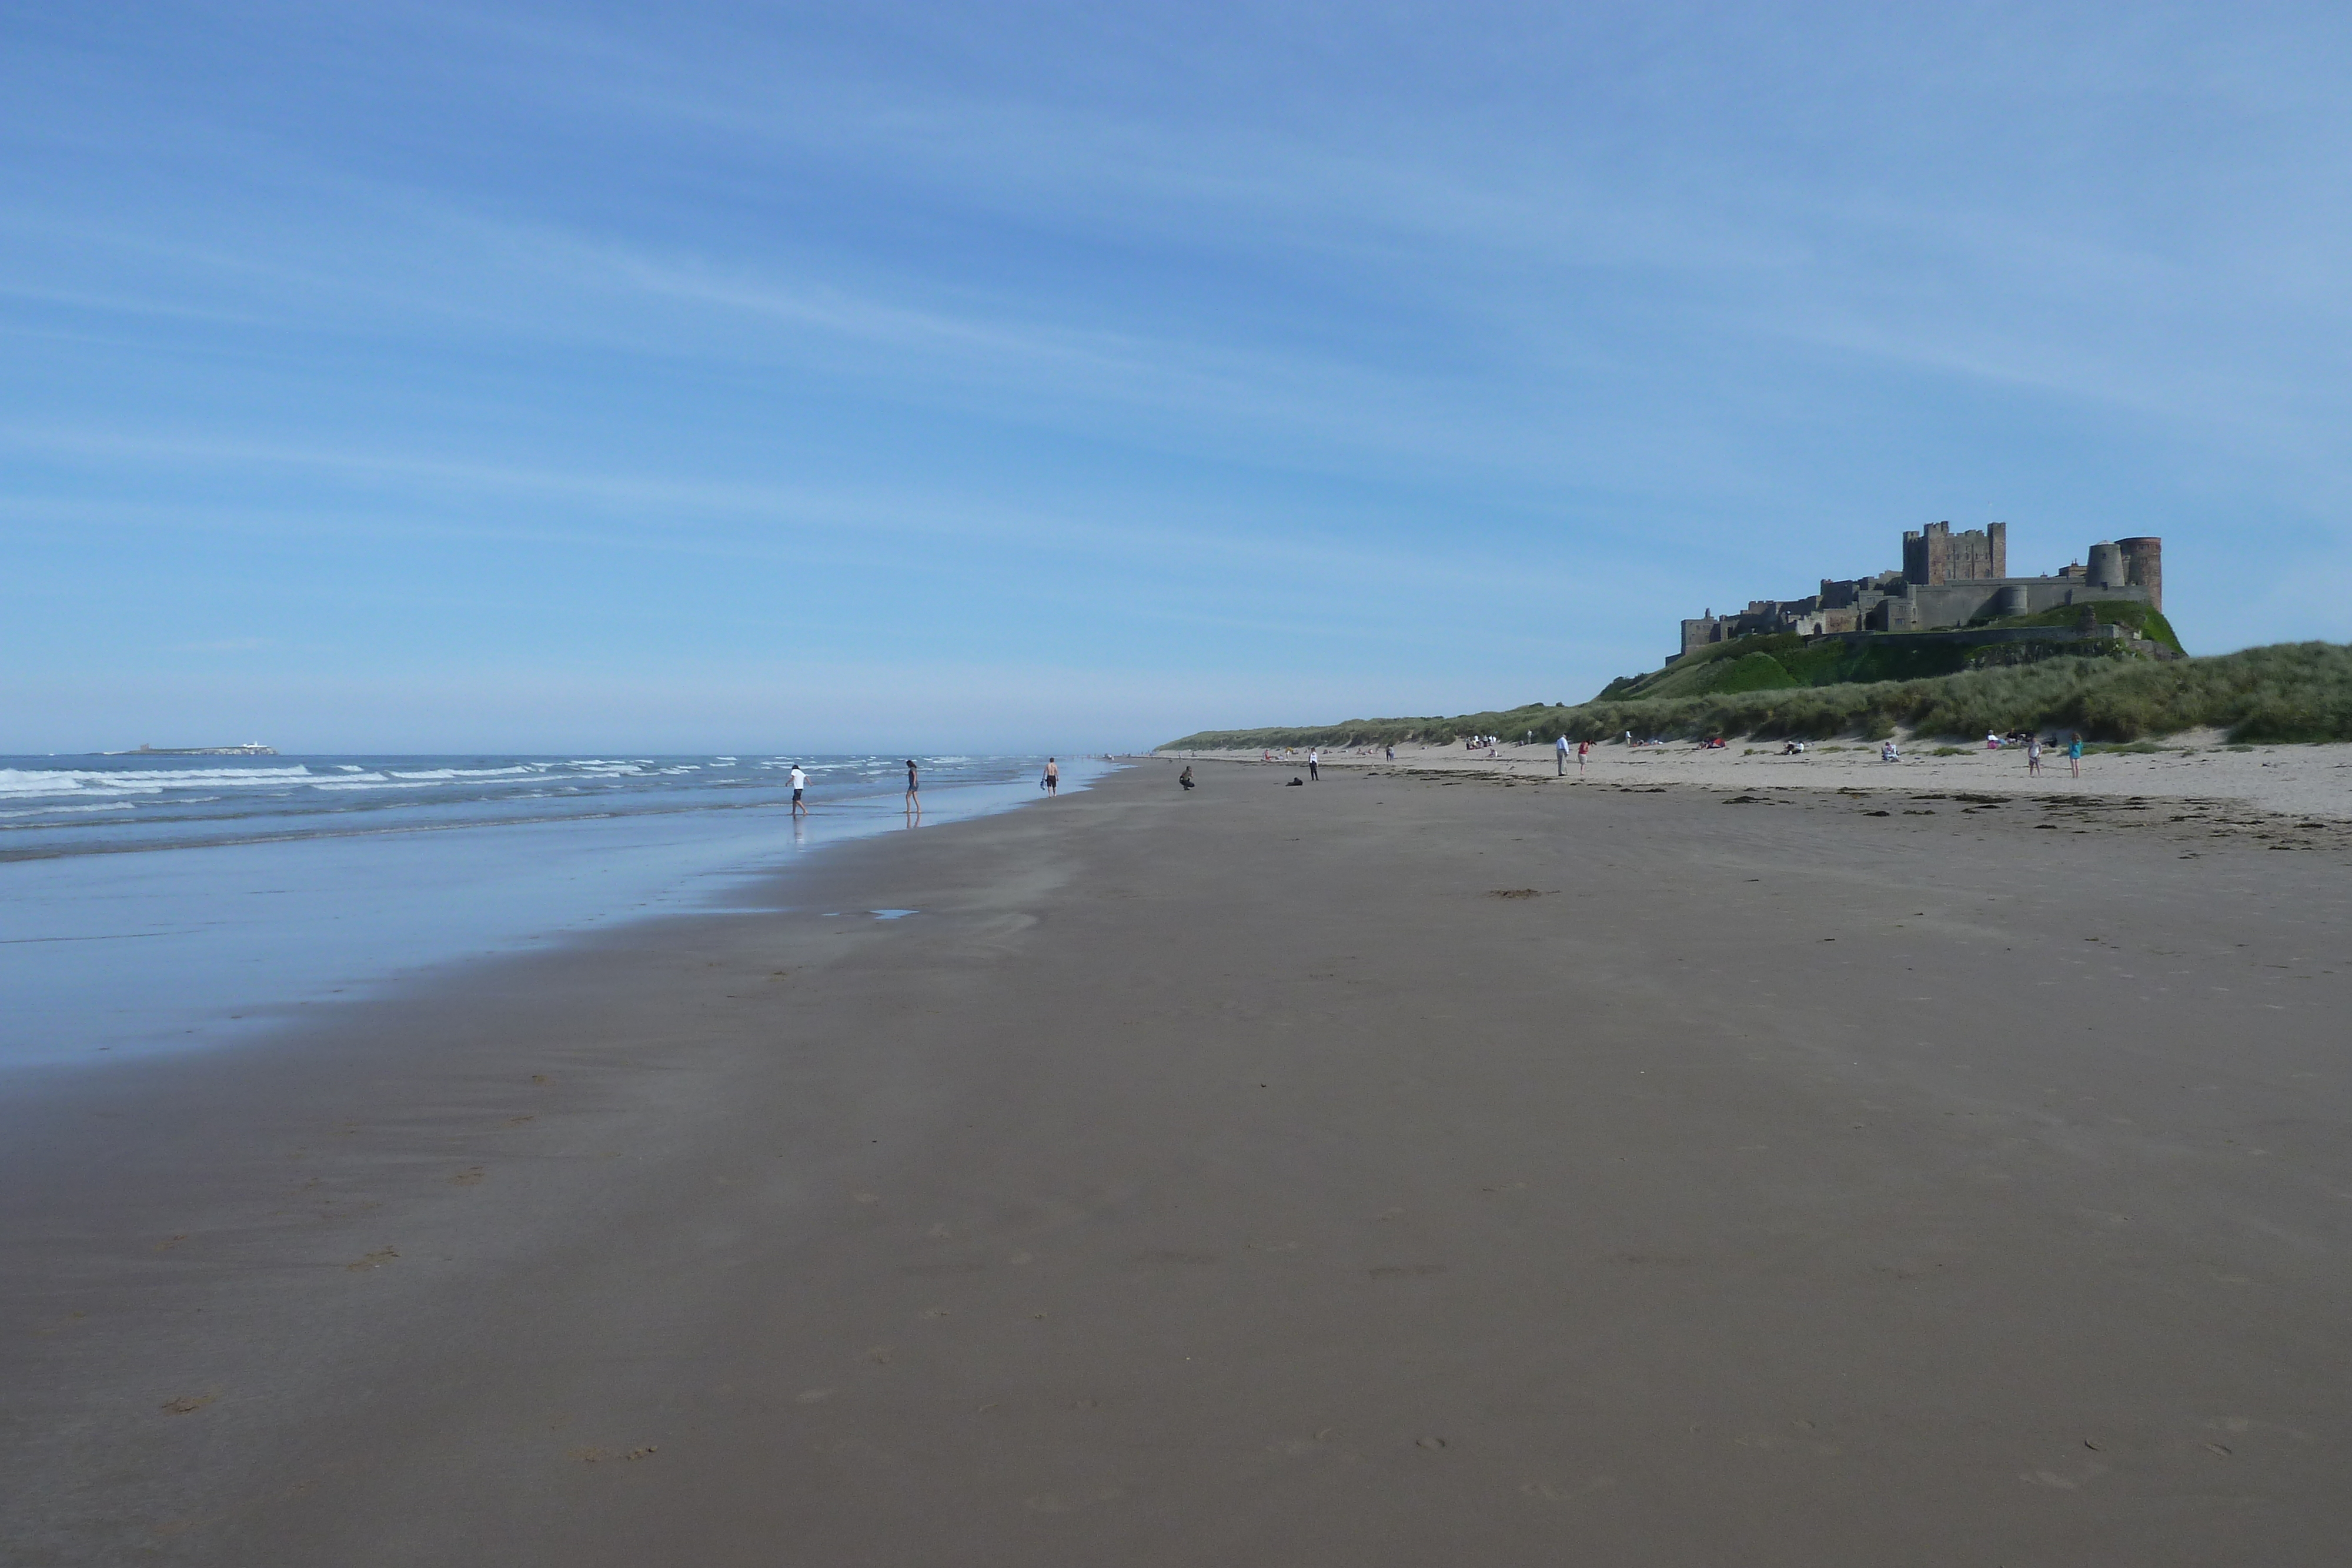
x=1936, y=555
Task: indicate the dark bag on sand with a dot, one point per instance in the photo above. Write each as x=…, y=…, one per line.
x=1296, y=784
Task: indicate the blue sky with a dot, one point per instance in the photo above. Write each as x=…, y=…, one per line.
x=1066, y=377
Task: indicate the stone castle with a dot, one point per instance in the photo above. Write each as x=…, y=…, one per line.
x=1951, y=583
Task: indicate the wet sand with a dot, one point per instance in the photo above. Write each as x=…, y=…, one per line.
x=1395, y=1170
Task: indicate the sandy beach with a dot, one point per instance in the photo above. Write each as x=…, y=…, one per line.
x=1695, y=1166
x=2279, y=780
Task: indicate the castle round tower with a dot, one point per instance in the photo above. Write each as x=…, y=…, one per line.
x=2144, y=565
x=2106, y=565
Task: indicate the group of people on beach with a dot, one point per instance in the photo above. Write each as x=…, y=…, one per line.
x=1050, y=782
x=1888, y=751
x=1559, y=755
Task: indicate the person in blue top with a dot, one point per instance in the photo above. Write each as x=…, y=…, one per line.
x=2074, y=753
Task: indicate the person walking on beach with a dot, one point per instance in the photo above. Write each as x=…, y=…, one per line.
x=2033, y=758
x=914, y=789
x=1583, y=749
x=1185, y=778
x=1314, y=762
x=2074, y=753
x=1052, y=783
x=800, y=782
x=1392, y=753
x=1559, y=756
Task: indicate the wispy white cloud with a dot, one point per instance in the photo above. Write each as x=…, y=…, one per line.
x=1242, y=320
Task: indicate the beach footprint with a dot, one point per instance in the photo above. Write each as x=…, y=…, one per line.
x=1566, y=1492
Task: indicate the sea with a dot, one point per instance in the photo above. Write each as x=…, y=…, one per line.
x=154, y=903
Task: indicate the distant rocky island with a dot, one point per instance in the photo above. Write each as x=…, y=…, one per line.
x=250, y=749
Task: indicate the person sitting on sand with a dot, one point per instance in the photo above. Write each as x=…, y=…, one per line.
x=1888, y=752
x=1185, y=778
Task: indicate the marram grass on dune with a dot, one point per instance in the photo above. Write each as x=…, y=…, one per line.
x=2287, y=692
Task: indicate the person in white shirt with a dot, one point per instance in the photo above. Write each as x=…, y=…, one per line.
x=800, y=782
x=1560, y=758
x=1314, y=764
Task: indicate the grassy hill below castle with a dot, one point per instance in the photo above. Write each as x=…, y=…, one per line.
x=2287, y=692
x=1783, y=660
